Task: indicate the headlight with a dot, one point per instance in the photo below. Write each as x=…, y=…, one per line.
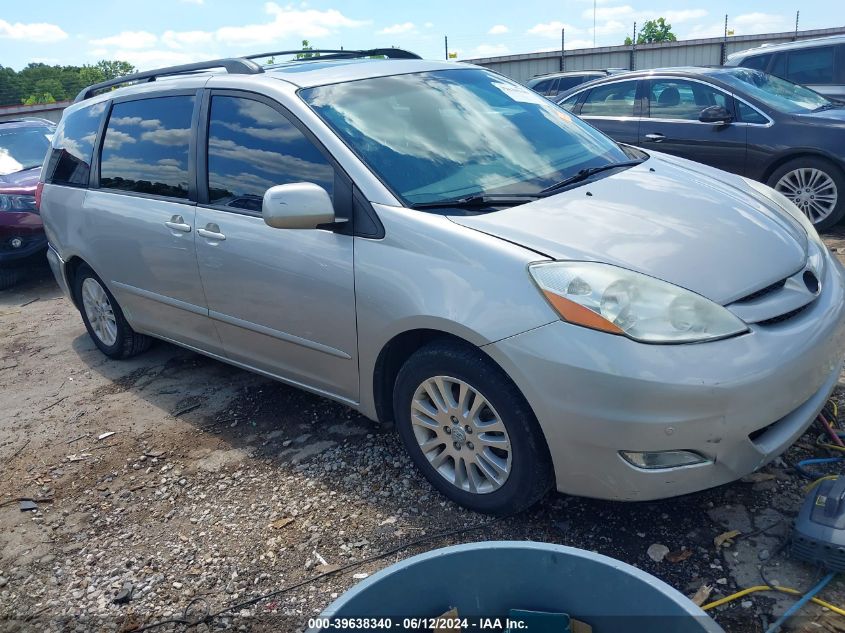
x=620, y=301
x=786, y=205
x=17, y=203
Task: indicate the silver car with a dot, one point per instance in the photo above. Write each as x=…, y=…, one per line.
x=531, y=304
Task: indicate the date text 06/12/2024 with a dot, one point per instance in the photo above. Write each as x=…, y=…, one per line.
x=418, y=624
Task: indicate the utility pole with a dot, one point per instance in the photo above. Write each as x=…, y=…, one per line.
x=446, y=45
x=797, y=14
x=633, y=62
x=562, y=54
x=724, y=46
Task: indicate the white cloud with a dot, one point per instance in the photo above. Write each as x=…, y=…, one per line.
x=610, y=27
x=287, y=22
x=758, y=23
x=142, y=48
x=193, y=1
x=573, y=44
x=489, y=50
x=499, y=29
x=154, y=58
x=744, y=24
x=183, y=39
x=33, y=32
x=396, y=29
x=428, y=25
x=684, y=15
x=552, y=29
x=128, y=39
x=608, y=13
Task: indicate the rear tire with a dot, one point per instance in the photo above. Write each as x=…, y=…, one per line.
x=104, y=319
x=816, y=186
x=9, y=277
x=475, y=438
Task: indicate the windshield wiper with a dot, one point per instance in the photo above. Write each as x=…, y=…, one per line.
x=585, y=173
x=828, y=106
x=479, y=200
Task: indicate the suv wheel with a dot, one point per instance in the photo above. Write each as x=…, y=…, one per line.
x=470, y=431
x=104, y=319
x=816, y=186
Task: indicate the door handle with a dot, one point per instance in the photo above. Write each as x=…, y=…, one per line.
x=212, y=232
x=656, y=137
x=177, y=223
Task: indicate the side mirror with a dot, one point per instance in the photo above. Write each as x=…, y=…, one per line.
x=715, y=114
x=299, y=205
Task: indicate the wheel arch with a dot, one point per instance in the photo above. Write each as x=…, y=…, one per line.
x=792, y=154
x=399, y=349
x=72, y=266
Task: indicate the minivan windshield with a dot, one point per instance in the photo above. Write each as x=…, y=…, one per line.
x=443, y=135
x=775, y=92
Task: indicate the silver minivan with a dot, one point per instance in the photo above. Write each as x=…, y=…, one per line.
x=530, y=303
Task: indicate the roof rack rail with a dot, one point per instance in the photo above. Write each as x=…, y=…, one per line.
x=235, y=66
x=331, y=53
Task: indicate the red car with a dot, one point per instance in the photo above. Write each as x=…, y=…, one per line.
x=23, y=146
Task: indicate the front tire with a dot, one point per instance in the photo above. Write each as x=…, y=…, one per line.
x=104, y=319
x=816, y=186
x=470, y=431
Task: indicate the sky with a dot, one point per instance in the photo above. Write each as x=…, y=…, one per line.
x=152, y=33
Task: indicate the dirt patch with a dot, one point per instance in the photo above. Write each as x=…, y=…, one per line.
x=214, y=483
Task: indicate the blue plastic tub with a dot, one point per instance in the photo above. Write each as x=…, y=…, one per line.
x=485, y=581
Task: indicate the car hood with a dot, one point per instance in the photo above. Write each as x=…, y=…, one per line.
x=696, y=227
x=835, y=116
x=23, y=181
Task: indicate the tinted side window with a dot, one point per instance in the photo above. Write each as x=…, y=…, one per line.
x=73, y=146
x=681, y=99
x=779, y=66
x=543, y=86
x=811, y=65
x=569, y=102
x=747, y=114
x=146, y=146
x=616, y=99
x=252, y=147
x=757, y=62
x=570, y=82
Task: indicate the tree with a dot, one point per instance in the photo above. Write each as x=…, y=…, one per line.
x=654, y=31
x=40, y=83
x=40, y=97
x=114, y=68
x=306, y=46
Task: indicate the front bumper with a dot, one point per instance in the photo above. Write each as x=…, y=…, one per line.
x=740, y=402
x=27, y=228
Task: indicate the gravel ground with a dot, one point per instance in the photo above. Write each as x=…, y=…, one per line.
x=218, y=486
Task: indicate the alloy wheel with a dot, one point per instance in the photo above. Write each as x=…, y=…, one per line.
x=812, y=190
x=461, y=435
x=99, y=311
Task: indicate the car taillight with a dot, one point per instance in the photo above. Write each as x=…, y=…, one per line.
x=38, y=190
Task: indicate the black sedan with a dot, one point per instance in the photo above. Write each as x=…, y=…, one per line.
x=737, y=119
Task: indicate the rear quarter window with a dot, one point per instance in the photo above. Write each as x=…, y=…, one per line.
x=69, y=162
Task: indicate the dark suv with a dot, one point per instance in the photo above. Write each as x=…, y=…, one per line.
x=554, y=84
x=23, y=146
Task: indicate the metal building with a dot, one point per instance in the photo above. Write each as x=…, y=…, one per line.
x=702, y=52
